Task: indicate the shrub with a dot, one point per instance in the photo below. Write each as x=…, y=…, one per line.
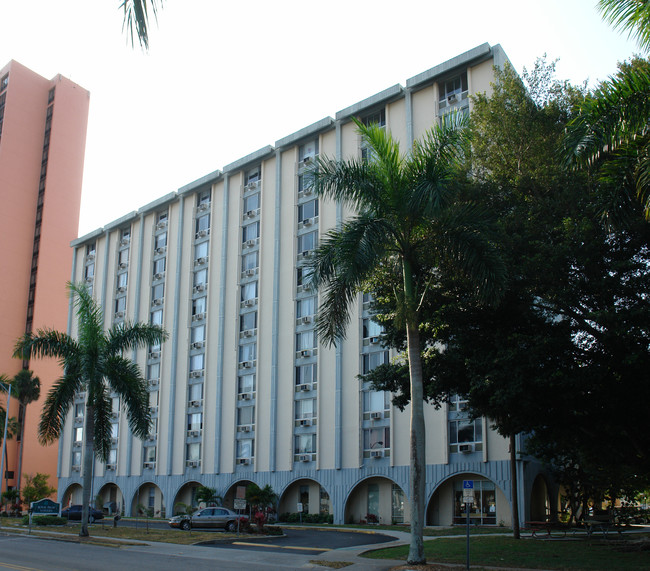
x=44, y=520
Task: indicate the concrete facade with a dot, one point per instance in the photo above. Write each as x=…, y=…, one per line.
x=42, y=143
x=243, y=391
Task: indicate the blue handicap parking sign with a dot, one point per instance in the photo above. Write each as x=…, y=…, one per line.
x=468, y=484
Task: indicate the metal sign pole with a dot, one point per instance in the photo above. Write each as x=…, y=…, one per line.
x=468, y=498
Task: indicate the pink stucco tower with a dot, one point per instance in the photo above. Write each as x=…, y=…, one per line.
x=42, y=141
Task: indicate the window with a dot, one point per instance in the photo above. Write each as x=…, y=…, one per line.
x=305, y=408
x=306, y=306
x=251, y=231
x=123, y=257
x=115, y=404
x=302, y=276
x=79, y=410
x=76, y=459
x=157, y=317
x=483, y=510
x=120, y=304
x=114, y=430
x=307, y=210
x=245, y=448
x=251, y=202
x=203, y=223
x=371, y=328
x=377, y=118
x=452, y=89
x=305, y=340
x=307, y=242
x=90, y=249
x=248, y=321
x=305, y=182
x=245, y=415
x=78, y=434
x=197, y=362
x=249, y=291
x=252, y=175
x=153, y=426
x=465, y=435
x=376, y=438
x=201, y=277
x=149, y=453
x=195, y=392
x=112, y=456
x=193, y=452
x=125, y=234
x=458, y=403
x=247, y=352
x=122, y=280
x=306, y=374
x=158, y=291
x=247, y=383
x=89, y=271
x=159, y=266
x=198, y=305
x=305, y=444
x=195, y=421
x=376, y=401
x=154, y=399
x=201, y=250
x=4, y=82
x=249, y=261
x=153, y=371
x=204, y=197
x=198, y=333
x=308, y=150
x=161, y=216
x=372, y=360
x=397, y=504
x=160, y=241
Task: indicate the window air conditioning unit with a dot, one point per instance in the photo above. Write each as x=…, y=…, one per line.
x=202, y=233
x=305, y=422
x=110, y=466
x=160, y=250
x=159, y=276
x=246, y=365
x=249, y=302
x=247, y=333
x=198, y=316
x=161, y=224
x=193, y=432
x=81, y=395
x=376, y=453
x=244, y=428
x=305, y=457
x=153, y=409
x=243, y=461
x=374, y=340
x=90, y=256
x=158, y=301
x=113, y=440
x=196, y=374
x=376, y=415
x=115, y=414
x=252, y=185
x=121, y=289
x=203, y=207
x=192, y=463
x=306, y=254
x=124, y=241
x=245, y=396
x=151, y=437
x=195, y=403
x=197, y=344
x=307, y=160
x=119, y=314
x=154, y=355
x=305, y=353
x=199, y=288
x=200, y=261
x=250, y=272
x=79, y=418
x=123, y=265
x=76, y=468
x=153, y=382
x=250, y=243
x=149, y=465
x=465, y=448
x=452, y=98
x=306, y=319
x=89, y=280
x=307, y=222
x=304, y=387
x=76, y=443
x=250, y=214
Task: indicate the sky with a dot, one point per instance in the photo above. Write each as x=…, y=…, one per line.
x=223, y=79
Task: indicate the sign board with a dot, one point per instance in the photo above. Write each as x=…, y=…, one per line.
x=468, y=491
x=299, y=507
x=45, y=507
x=240, y=504
x=241, y=492
x=468, y=484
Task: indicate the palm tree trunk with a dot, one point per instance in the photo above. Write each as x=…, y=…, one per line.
x=417, y=442
x=88, y=461
x=20, y=451
x=514, y=488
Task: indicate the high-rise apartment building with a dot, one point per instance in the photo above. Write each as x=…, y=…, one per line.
x=42, y=143
x=243, y=391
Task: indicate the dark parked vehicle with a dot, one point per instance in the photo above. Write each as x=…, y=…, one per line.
x=210, y=518
x=74, y=513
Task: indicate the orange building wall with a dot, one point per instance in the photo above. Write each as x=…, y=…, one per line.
x=21, y=147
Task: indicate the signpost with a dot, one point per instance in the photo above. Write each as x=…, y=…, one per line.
x=468, y=500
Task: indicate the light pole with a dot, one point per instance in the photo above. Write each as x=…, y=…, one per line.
x=4, y=438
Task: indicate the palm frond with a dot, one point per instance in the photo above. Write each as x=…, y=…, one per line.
x=101, y=407
x=128, y=336
x=125, y=378
x=56, y=406
x=631, y=16
x=136, y=19
x=45, y=343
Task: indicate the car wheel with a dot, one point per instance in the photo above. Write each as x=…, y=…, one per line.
x=231, y=526
x=185, y=525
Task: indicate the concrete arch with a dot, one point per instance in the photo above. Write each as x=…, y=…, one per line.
x=184, y=494
x=231, y=492
x=149, y=495
x=112, y=499
x=71, y=495
x=309, y=493
x=444, y=504
x=372, y=497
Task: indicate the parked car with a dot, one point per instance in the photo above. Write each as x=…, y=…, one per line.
x=210, y=518
x=74, y=513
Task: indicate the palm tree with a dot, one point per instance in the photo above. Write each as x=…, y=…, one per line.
x=136, y=19
x=208, y=496
x=27, y=389
x=93, y=363
x=409, y=219
x=610, y=134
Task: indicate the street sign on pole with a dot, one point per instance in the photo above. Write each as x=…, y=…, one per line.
x=468, y=500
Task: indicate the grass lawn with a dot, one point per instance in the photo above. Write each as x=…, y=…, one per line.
x=574, y=553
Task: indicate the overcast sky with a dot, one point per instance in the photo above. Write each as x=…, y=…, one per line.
x=223, y=79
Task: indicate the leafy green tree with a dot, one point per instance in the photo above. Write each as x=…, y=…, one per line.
x=630, y=16
x=93, y=363
x=208, y=496
x=136, y=19
x=260, y=500
x=409, y=225
x=36, y=488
